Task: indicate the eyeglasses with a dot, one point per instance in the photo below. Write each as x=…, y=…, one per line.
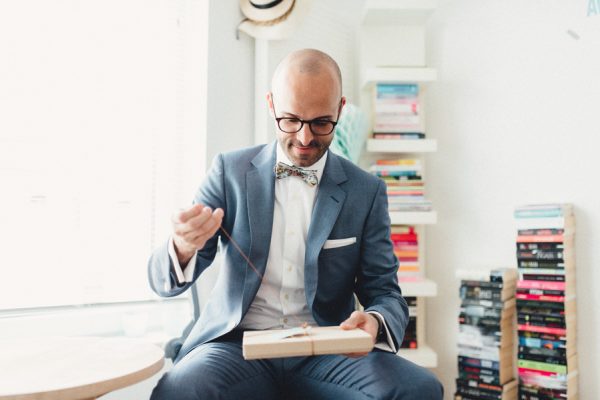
x=318, y=126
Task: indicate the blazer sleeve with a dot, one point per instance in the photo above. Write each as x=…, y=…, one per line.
x=161, y=272
x=377, y=283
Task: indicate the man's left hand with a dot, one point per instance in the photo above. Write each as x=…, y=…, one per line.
x=364, y=321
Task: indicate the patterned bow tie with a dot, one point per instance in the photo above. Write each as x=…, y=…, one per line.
x=309, y=176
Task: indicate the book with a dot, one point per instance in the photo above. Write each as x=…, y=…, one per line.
x=410, y=334
x=466, y=390
x=543, y=223
x=399, y=135
x=485, y=292
x=486, y=338
x=308, y=341
x=545, y=293
x=543, y=210
x=396, y=107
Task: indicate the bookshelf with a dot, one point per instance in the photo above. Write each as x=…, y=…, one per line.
x=392, y=50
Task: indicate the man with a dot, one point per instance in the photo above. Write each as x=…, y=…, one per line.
x=303, y=230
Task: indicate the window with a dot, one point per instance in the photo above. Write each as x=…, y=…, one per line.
x=101, y=139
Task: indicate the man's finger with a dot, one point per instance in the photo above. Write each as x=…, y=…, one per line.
x=206, y=221
x=184, y=215
x=355, y=319
x=209, y=228
x=205, y=232
x=198, y=221
x=195, y=225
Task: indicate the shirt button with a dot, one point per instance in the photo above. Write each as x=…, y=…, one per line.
x=285, y=296
x=289, y=268
x=285, y=320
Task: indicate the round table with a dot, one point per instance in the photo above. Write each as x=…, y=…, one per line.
x=73, y=368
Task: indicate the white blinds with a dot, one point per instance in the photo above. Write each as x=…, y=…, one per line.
x=101, y=137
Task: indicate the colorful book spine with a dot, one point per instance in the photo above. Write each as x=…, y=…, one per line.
x=404, y=184
x=546, y=319
x=396, y=108
x=485, y=339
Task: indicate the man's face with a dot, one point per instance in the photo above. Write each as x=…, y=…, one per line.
x=306, y=97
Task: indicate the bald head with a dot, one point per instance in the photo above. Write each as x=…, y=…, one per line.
x=308, y=62
x=306, y=90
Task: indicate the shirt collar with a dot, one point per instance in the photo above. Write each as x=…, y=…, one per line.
x=318, y=166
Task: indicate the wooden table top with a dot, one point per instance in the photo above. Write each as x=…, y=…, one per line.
x=73, y=368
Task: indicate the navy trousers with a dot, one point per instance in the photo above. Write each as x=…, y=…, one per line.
x=218, y=371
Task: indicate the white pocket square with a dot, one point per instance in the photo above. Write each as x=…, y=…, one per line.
x=333, y=243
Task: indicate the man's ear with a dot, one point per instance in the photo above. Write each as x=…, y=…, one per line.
x=270, y=104
x=342, y=104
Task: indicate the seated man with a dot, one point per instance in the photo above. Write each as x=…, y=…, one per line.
x=302, y=231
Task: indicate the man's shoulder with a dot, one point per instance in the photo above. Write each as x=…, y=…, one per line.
x=243, y=156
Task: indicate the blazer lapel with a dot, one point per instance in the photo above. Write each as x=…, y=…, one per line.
x=260, y=200
x=329, y=202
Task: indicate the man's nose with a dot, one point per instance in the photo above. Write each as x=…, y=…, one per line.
x=305, y=135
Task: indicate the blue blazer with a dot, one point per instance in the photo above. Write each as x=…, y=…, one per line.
x=350, y=203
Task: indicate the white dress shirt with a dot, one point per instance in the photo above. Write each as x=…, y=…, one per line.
x=281, y=299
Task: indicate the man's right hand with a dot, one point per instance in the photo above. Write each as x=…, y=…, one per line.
x=192, y=228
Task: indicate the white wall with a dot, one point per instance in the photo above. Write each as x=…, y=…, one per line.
x=515, y=111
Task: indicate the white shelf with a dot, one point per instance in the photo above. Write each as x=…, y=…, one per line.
x=401, y=145
x=398, y=75
x=423, y=356
x=398, y=12
x=420, y=288
x=413, y=217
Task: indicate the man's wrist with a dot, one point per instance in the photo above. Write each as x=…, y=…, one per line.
x=183, y=257
x=380, y=328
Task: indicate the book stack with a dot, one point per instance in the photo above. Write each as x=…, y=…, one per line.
x=410, y=334
x=546, y=308
x=396, y=110
x=404, y=182
x=406, y=249
x=486, y=332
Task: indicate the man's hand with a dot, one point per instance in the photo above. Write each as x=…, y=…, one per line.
x=192, y=228
x=364, y=321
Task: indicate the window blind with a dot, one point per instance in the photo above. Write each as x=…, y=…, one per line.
x=101, y=139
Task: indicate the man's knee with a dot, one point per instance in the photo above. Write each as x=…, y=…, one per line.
x=181, y=384
x=215, y=371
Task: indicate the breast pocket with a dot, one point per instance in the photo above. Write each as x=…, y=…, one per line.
x=335, y=243
x=338, y=247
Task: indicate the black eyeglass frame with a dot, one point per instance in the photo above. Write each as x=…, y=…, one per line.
x=309, y=121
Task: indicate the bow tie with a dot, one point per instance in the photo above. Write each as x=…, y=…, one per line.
x=309, y=176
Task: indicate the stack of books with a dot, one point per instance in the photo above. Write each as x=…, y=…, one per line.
x=406, y=249
x=405, y=185
x=396, y=110
x=486, y=335
x=410, y=334
x=546, y=308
